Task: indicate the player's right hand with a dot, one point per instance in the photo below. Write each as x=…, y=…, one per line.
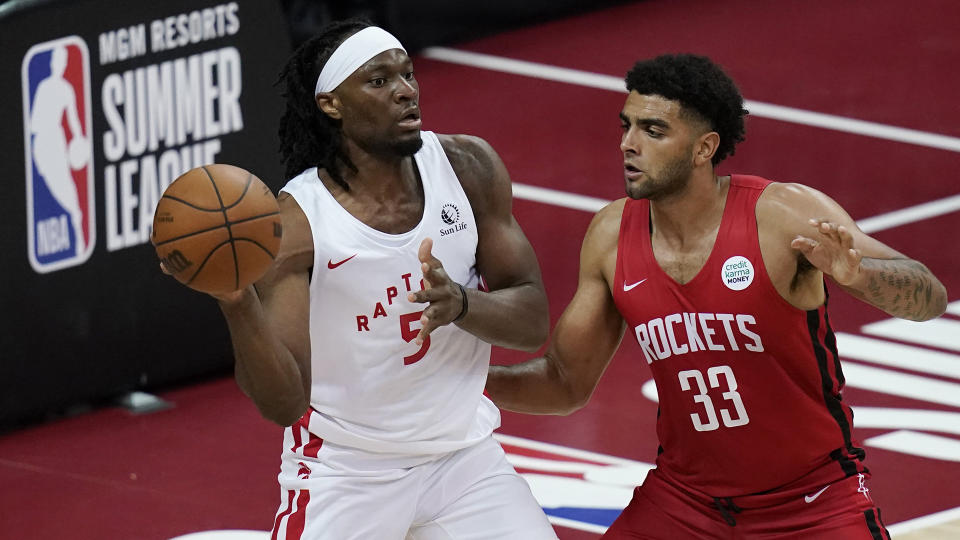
x=831, y=250
x=224, y=298
x=443, y=296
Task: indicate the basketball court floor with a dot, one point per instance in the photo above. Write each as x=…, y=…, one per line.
x=856, y=99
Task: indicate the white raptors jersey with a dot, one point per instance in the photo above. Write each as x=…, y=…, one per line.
x=373, y=387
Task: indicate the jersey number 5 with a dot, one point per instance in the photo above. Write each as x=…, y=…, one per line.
x=731, y=395
x=409, y=334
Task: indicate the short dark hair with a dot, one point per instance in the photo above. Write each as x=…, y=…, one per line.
x=308, y=137
x=701, y=87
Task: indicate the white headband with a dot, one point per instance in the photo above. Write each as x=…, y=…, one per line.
x=354, y=52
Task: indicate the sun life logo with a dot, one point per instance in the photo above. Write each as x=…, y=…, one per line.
x=450, y=214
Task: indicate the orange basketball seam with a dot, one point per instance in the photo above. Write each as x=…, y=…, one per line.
x=256, y=243
x=191, y=205
x=246, y=187
x=188, y=235
x=207, y=258
x=251, y=218
x=226, y=221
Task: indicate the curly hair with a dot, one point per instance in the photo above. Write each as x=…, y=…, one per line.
x=308, y=137
x=701, y=87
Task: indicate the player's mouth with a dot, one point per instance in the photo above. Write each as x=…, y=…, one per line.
x=631, y=172
x=410, y=119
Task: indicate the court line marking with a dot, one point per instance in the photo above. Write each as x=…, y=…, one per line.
x=578, y=525
x=570, y=451
x=929, y=520
x=868, y=225
x=757, y=108
x=558, y=198
x=942, y=332
x=917, y=443
x=767, y=110
x=903, y=527
x=899, y=419
x=889, y=353
x=919, y=212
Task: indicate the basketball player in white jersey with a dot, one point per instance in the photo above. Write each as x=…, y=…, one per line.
x=370, y=338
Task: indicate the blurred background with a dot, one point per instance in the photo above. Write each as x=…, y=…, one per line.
x=119, y=417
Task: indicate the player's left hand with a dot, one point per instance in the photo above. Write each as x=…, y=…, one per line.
x=439, y=291
x=830, y=249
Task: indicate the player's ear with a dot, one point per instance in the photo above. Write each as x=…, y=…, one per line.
x=705, y=147
x=329, y=103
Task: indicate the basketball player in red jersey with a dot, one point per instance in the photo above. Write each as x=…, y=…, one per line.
x=370, y=337
x=721, y=282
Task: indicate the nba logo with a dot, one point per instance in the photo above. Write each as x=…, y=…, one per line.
x=59, y=154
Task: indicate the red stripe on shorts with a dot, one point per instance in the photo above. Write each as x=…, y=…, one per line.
x=312, y=447
x=281, y=515
x=303, y=422
x=297, y=519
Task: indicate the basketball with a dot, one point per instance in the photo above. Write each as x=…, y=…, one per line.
x=217, y=228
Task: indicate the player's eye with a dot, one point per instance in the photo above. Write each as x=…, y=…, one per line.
x=408, y=75
x=378, y=82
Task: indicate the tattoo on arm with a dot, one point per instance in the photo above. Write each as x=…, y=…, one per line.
x=901, y=287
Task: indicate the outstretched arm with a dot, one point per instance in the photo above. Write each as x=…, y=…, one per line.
x=866, y=268
x=514, y=312
x=898, y=285
x=583, y=342
x=270, y=329
x=269, y=326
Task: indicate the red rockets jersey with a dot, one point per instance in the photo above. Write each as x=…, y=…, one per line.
x=749, y=386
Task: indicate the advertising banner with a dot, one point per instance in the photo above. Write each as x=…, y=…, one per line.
x=105, y=104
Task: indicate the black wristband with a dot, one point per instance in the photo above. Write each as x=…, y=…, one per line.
x=463, y=310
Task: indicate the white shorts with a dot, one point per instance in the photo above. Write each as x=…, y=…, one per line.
x=342, y=494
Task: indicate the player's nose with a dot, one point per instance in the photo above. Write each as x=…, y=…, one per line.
x=406, y=90
x=629, y=142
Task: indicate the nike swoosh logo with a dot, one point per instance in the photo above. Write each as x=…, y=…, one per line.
x=810, y=498
x=628, y=287
x=331, y=265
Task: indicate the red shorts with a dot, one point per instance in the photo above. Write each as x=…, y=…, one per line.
x=662, y=509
